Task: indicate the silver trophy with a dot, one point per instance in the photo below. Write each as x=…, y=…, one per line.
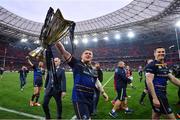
x=55, y=28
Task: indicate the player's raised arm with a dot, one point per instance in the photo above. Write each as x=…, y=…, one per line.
x=29, y=61
x=62, y=50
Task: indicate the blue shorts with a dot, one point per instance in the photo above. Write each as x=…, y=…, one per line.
x=38, y=83
x=164, y=105
x=83, y=110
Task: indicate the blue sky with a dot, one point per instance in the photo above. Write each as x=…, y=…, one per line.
x=76, y=10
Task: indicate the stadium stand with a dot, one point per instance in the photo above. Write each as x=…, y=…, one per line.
x=152, y=20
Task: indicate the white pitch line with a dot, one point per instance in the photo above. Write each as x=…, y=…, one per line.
x=74, y=117
x=108, y=81
x=22, y=113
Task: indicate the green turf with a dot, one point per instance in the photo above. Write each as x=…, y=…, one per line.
x=7, y=115
x=11, y=97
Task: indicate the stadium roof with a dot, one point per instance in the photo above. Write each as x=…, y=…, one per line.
x=76, y=10
x=138, y=14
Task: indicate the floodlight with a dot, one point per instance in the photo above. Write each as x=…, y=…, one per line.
x=65, y=42
x=37, y=42
x=130, y=34
x=106, y=38
x=117, y=36
x=95, y=39
x=75, y=41
x=85, y=40
x=24, y=40
x=178, y=24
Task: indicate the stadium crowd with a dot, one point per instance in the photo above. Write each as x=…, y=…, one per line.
x=134, y=54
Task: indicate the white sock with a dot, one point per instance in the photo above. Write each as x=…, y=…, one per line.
x=127, y=109
x=113, y=110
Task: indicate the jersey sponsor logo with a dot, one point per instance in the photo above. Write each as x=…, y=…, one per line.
x=163, y=65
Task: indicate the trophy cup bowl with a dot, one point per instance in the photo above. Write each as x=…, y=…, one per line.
x=55, y=28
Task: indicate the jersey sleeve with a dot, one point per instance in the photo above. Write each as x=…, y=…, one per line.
x=116, y=77
x=150, y=68
x=34, y=67
x=72, y=62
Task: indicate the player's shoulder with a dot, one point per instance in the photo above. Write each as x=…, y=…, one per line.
x=119, y=70
x=74, y=60
x=116, y=70
x=151, y=64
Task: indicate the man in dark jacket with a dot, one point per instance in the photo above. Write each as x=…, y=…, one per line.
x=56, y=90
x=121, y=82
x=22, y=76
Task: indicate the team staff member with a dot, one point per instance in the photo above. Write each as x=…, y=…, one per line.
x=124, y=104
x=121, y=82
x=56, y=90
x=157, y=75
x=38, y=82
x=84, y=82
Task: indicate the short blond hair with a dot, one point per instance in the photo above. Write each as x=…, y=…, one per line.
x=120, y=63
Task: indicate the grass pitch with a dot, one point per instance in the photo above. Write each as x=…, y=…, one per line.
x=12, y=98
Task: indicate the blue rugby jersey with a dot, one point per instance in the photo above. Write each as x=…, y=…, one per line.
x=160, y=72
x=37, y=74
x=120, y=78
x=84, y=81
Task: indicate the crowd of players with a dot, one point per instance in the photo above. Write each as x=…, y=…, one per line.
x=87, y=84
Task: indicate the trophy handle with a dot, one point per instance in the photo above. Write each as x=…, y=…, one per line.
x=38, y=53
